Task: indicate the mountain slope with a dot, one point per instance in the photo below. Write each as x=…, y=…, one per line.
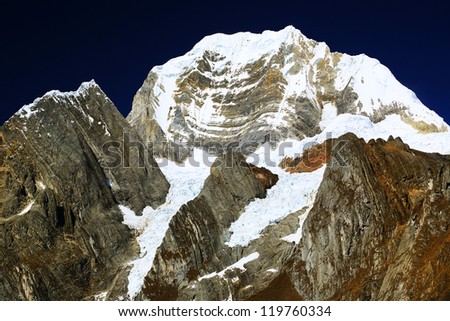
x=379, y=227
x=375, y=227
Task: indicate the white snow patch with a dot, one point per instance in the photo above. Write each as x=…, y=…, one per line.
x=107, y=132
x=376, y=87
x=130, y=218
x=28, y=110
x=296, y=237
x=238, y=265
x=272, y=270
x=26, y=209
x=186, y=182
x=329, y=112
x=295, y=191
x=41, y=185
x=362, y=127
x=244, y=47
x=393, y=125
x=31, y=109
x=291, y=193
x=101, y=296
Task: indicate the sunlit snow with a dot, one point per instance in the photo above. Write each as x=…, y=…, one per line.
x=41, y=185
x=297, y=236
x=186, y=183
x=238, y=265
x=290, y=194
x=31, y=109
x=26, y=209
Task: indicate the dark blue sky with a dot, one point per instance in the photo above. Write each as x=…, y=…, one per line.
x=49, y=45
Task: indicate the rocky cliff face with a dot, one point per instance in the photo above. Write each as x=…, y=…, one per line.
x=62, y=235
x=378, y=229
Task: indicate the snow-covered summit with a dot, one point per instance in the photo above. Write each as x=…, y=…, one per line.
x=247, y=86
x=244, y=47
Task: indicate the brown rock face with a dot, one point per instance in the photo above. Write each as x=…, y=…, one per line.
x=311, y=160
x=266, y=177
x=379, y=228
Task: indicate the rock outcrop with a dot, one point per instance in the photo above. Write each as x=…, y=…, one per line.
x=61, y=231
x=378, y=229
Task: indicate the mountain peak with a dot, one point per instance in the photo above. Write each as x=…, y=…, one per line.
x=248, y=86
x=30, y=109
x=247, y=45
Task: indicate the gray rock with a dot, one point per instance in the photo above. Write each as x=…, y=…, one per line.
x=71, y=243
x=378, y=227
x=194, y=243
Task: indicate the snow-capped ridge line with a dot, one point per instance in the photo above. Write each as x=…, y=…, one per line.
x=29, y=109
x=223, y=40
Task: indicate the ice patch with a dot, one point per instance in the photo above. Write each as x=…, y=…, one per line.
x=186, y=182
x=101, y=296
x=291, y=193
x=238, y=265
x=131, y=219
x=329, y=112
